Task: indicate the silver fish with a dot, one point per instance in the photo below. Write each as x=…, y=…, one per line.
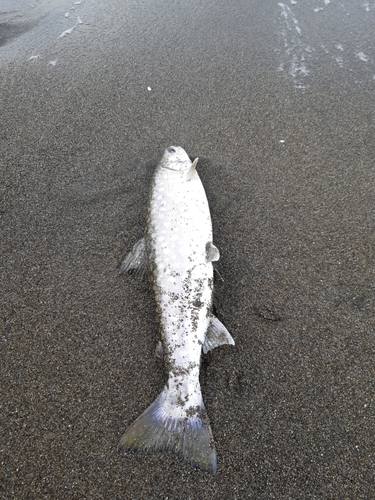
x=178, y=252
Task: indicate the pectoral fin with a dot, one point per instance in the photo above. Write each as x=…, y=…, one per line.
x=216, y=335
x=136, y=261
x=191, y=172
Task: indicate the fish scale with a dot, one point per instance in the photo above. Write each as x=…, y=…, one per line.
x=178, y=252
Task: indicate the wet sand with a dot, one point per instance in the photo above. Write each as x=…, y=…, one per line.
x=292, y=404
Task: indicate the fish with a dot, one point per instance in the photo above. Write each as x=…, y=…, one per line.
x=177, y=252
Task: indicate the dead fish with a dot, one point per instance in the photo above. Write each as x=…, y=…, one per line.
x=178, y=252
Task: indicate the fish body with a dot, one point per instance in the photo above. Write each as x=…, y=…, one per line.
x=178, y=252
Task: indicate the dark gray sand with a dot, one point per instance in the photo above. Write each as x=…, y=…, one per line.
x=292, y=405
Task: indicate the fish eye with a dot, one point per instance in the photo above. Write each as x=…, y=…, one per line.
x=171, y=150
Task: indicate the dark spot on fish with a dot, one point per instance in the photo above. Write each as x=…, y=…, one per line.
x=180, y=401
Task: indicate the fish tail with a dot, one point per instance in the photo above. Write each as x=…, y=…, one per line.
x=166, y=426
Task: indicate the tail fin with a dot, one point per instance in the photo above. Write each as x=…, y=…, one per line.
x=165, y=427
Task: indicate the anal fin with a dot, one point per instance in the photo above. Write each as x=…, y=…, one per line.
x=135, y=262
x=216, y=335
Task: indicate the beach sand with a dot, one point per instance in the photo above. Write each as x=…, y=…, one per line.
x=287, y=161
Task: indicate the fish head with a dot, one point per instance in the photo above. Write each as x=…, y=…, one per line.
x=176, y=158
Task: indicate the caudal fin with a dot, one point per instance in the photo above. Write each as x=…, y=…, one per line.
x=162, y=427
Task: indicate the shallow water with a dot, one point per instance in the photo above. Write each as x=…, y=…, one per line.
x=311, y=38
x=25, y=24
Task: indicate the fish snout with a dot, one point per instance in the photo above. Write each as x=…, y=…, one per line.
x=176, y=158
